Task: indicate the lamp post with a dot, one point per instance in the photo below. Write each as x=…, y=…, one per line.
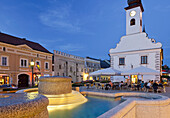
x=32, y=67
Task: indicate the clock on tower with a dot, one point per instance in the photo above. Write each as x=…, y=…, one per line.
x=134, y=17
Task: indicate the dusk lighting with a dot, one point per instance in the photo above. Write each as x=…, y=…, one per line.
x=84, y=59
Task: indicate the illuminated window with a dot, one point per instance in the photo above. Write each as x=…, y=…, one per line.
x=144, y=59
x=4, y=61
x=132, y=22
x=121, y=61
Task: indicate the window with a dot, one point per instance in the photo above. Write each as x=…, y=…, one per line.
x=52, y=68
x=71, y=69
x=82, y=70
x=59, y=66
x=37, y=55
x=38, y=64
x=46, y=65
x=4, y=61
x=132, y=22
x=121, y=61
x=4, y=49
x=144, y=59
x=24, y=62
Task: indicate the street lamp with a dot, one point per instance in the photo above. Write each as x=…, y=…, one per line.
x=32, y=67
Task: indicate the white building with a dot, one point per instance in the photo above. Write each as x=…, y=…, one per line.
x=136, y=48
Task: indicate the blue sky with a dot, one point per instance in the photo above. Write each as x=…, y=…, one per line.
x=81, y=27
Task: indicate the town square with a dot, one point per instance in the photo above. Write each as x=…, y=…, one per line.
x=84, y=59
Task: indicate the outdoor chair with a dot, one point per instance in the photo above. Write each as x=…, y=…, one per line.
x=102, y=86
x=150, y=89
x=161, y=89
x=85, y=86
x=96, y=86
x=91, y=85
x=108, y=87
x=124, y=86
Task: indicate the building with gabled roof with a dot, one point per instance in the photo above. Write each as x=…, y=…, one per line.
x=15, y=57
x=136, y=49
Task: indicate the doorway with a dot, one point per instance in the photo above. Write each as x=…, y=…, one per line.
x=23, y=81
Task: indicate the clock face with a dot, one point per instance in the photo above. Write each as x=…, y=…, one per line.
x=132, y=13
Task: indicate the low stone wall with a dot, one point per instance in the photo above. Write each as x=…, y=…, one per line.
x=23, y=106
x=156, y=107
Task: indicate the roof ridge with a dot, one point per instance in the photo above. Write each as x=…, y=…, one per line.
x=6, y=38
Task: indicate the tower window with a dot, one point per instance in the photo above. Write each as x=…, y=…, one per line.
x=132, y=22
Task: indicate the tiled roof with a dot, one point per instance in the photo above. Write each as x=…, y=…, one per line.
x=5, y=38
x=104, y=64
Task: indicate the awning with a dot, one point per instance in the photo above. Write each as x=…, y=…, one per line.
x=141, y=71
x=106, y=72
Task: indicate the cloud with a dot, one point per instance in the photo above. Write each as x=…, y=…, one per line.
x=70, y=47
x=60, y=18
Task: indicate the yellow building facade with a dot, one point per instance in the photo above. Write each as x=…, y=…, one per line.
x=15, y=57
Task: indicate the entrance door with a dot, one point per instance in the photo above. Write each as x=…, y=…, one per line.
x=23, y=80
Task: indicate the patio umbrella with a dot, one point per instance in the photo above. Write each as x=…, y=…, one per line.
x=141, y=71
x=106, y=72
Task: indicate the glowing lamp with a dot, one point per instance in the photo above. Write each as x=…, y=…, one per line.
x=32, y=67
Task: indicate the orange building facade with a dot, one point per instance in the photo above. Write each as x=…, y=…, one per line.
x=15, y=57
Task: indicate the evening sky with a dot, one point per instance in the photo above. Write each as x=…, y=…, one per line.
x=82, y=27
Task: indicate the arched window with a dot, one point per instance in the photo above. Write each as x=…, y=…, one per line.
x=4, y=49
x=132, y=22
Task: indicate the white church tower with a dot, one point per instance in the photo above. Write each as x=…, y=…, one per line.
x=135, y=49
x=134, y=17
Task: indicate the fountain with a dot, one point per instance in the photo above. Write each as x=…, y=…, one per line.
x=59, y=92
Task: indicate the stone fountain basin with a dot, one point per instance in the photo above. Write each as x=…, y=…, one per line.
x=73, y=98
x=25, y=105
x=54, y=85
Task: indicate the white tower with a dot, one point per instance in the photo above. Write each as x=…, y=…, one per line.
x=134, y=17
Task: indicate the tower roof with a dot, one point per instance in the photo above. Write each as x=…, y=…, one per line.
x=133, y=4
